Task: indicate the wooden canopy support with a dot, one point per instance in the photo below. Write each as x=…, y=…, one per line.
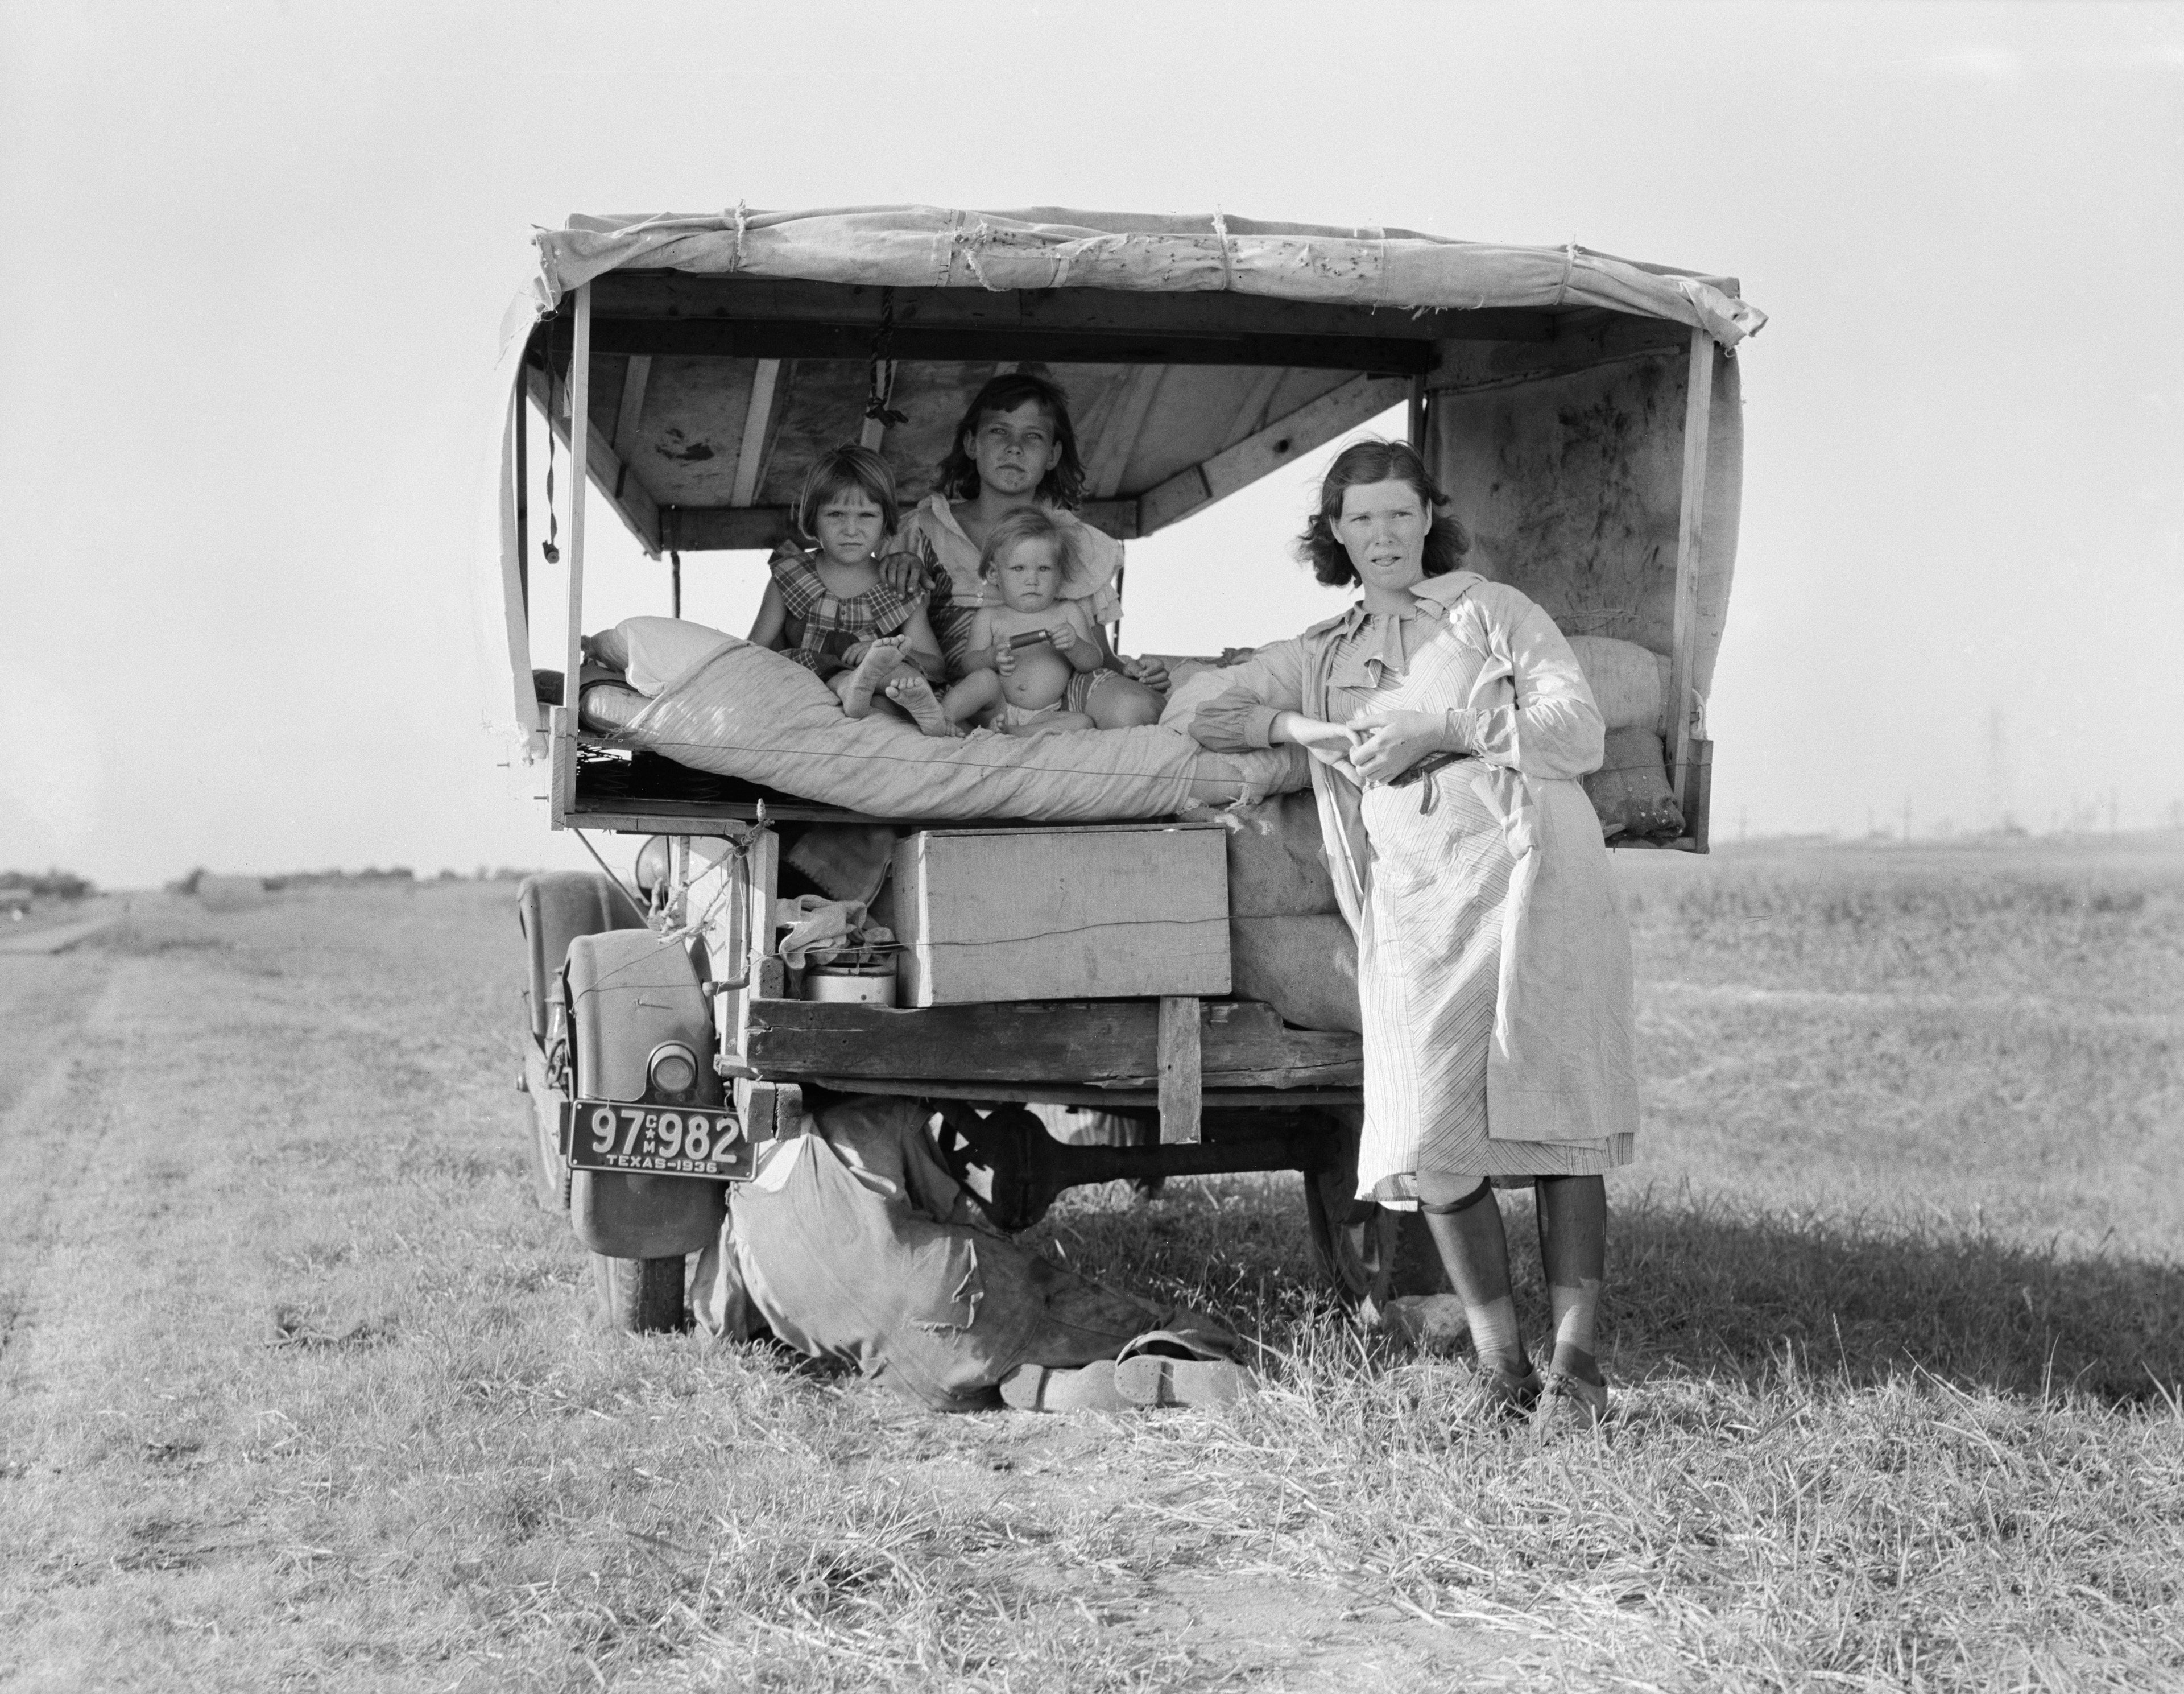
x=714, y=529
x=629, y=413
x=686, y=297
x=580, y=467
x=632, y=500
x=1587, y=340
x=1311, y=425
x=718, y=338
x=1698, y=416
x=751, y=456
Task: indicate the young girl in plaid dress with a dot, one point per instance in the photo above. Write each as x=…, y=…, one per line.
x=828, y=608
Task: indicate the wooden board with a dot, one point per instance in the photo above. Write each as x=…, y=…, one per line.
x=1061, y=913
x=1109, y=1044
x=1181, y=1055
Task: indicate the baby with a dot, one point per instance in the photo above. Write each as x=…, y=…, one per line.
x=828, y=608
x=1022, y=654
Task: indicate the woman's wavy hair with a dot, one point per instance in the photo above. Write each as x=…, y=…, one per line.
x=840, y=468
x=1378, y=461
x=1064, y=486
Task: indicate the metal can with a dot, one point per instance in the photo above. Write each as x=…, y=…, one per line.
x=859, y=978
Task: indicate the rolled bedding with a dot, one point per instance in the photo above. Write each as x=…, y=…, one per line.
x=740, y=710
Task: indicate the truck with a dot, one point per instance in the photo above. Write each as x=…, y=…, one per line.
x=1583, y=411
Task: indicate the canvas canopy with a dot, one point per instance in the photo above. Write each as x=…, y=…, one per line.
x=1200, y=354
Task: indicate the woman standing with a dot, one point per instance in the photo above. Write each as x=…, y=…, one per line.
x=1448, y=722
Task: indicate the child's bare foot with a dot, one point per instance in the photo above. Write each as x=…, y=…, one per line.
x=909, y=689
x=881, y=659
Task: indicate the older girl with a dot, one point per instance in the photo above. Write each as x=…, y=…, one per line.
x=1014, y=447
x=1448, y=722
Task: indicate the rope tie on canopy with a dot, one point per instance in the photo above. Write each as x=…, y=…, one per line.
x=743, y=223
x=880, y=388
x=1569, y=265
x=1228, y=265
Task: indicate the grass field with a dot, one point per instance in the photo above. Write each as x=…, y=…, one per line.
x=299, y=1391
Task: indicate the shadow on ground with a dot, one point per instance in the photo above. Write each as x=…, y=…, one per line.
x=1709, y=1290
x=1703, y=1288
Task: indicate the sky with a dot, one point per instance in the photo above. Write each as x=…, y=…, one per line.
x=263, y=250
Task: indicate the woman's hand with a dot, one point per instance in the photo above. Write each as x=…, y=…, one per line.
x=1388, y=743
x=1328, y=743
x=1150, y=672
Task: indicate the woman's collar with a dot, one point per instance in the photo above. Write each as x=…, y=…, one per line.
x=1433, y=595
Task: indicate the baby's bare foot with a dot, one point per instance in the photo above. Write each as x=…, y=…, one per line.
x=909, y=689
x=881, y=659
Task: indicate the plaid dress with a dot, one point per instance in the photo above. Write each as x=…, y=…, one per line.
x=822, y=626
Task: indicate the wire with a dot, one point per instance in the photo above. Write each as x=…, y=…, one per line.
x=641, y=915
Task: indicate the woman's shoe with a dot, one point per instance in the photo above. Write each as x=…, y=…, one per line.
x=1567, y=1399
x=1507, y=1394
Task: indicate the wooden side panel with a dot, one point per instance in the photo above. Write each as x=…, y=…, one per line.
x=1112, y=1044
x=1061, y=914
x=1570, y=475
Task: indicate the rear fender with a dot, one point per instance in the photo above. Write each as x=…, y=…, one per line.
x=555, y=907
x=628, y=991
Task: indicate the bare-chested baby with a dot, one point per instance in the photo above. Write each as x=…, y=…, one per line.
x=1022, y=653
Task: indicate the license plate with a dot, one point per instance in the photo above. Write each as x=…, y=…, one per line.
x=658, y=1140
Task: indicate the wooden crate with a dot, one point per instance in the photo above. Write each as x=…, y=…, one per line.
x=1069, y=913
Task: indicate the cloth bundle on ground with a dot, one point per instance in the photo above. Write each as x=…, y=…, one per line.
x=855, y=1244
x=719, y=704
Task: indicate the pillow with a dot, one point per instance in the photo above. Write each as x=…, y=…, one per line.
x=1629, y=682
x=1630, y=790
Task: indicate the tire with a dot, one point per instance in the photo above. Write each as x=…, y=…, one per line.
x=641, y=1296
x=1363, y=1250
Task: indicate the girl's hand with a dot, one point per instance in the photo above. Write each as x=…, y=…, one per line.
x=855, y=652
x=1388, y=743
x=1150, y=672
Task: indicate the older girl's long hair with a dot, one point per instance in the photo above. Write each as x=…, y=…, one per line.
x=1064, y=486
x=1378, y=461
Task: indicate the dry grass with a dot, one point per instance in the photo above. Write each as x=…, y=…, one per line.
x=301, y=1392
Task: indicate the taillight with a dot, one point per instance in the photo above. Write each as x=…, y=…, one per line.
x=673, y=1069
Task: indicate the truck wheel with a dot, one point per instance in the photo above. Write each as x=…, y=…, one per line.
x=641, y=1296
x=1364, y=1249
